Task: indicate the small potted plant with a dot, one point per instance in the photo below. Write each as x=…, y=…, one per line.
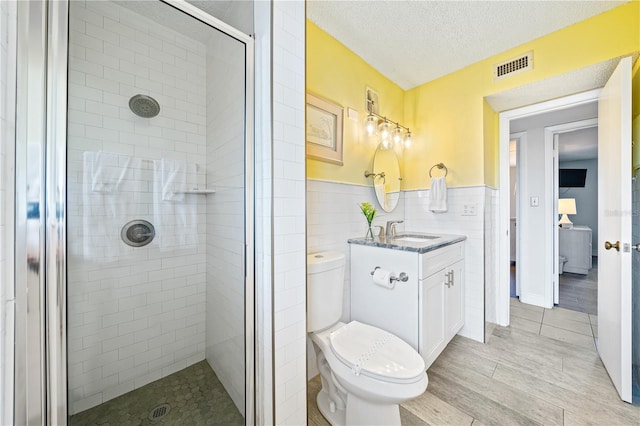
x=369, y=213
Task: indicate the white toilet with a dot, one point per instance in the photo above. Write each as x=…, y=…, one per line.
x=366, y=372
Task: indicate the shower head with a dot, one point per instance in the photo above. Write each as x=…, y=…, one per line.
x=144, y=106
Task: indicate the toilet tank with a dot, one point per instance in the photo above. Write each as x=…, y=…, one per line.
x=325, y=284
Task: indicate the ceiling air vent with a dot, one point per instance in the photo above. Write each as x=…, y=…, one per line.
x=513, y=66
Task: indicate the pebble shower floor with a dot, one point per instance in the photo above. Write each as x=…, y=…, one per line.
x=193, y=396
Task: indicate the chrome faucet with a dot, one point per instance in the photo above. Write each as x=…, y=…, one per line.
x=391, y=227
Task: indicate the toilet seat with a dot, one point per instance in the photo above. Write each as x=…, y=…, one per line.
x=376, y=353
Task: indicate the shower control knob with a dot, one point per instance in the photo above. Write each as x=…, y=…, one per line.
x=137, y=233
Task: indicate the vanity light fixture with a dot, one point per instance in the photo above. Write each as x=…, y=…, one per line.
x=397, y=134
x=385, y=131
x=391, y=133
x=408, y=139
x=372, y=124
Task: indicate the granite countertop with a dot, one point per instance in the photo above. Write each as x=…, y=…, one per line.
x=408, y=241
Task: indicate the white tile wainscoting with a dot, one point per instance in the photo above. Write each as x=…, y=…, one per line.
x=333, y=216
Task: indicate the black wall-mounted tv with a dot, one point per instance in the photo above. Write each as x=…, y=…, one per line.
x=573, y=178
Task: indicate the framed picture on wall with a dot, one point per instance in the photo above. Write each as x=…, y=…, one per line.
x=324, y=130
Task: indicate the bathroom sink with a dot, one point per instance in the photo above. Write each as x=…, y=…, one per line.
x=415, y=238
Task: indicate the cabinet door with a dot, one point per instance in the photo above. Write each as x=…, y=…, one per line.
x=454, y=299
x=432, y=317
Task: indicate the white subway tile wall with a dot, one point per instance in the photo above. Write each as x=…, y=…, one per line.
x=134, y=314
x=289, y=261
x=7, y=156
x=225, y=349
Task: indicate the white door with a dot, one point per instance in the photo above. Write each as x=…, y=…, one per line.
x=614, y=228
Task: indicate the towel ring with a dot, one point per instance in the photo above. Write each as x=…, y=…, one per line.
x=440, y=166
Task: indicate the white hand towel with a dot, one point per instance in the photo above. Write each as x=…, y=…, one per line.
x=438, y=195
x=172, y=177
x=114, y=194
x=106, y=174
x=175, y=216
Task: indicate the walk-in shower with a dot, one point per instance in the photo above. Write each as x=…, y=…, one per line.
x=140, y=223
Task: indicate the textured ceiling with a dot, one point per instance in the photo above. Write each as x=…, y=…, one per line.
x=413, y=42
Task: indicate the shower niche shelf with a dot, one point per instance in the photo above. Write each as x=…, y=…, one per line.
x=198, y=191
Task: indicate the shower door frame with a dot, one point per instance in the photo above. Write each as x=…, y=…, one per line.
x=41, y=394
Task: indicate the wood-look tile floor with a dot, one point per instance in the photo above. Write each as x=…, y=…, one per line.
x=577, y=292
x=580, y=292
x=549, y=373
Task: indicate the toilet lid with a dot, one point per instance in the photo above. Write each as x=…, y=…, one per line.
x=376, y=353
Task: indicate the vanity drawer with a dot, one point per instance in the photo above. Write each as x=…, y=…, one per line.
x=433, y=261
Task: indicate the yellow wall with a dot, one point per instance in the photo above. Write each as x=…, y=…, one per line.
x=491, y=135
x=635, y=112
x=450, y=120
x=449, y=113
x=337, y=74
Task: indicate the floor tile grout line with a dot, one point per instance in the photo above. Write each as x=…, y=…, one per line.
x=566, y=329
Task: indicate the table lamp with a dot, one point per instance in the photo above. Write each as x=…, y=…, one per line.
x=566, y=206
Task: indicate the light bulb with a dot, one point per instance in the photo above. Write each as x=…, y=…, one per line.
x=397, y=135
x=384, y=131
x=372, y=123
x=407, y=140
x=385, y=143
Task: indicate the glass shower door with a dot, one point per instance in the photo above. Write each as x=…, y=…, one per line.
x=139, y=217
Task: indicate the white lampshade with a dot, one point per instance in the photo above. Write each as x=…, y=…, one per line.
x=566, y=206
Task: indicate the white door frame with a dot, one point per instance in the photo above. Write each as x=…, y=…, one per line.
x=520, y=138
x=502, y=293
x=550, y=139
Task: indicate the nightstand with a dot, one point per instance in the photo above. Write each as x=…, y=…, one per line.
x=575, y=245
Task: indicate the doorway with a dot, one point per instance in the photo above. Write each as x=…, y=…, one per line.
x=134, y=215
x=571, y=149
x=614, y=342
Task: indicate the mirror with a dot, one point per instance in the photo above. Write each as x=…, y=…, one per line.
x=386, y=181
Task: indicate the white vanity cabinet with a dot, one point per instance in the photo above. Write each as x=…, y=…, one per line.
x=441, y=310
x=427, y=310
